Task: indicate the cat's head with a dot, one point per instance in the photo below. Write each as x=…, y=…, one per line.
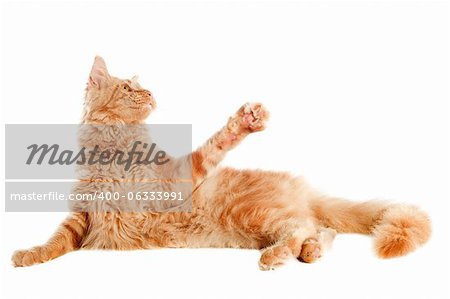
x=110, y=100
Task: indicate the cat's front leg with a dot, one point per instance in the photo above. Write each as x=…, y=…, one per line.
x=67, y=238
x=251, y=117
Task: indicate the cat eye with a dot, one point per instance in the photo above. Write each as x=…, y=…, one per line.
x=127, y=88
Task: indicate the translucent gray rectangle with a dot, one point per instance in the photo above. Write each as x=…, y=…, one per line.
x=151, y=196
x=126, y=168
x=44, y=151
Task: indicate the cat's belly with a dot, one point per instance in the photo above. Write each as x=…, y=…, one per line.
x=255, y=208
x=119, y=231
x=239, y=209
x=170, y=230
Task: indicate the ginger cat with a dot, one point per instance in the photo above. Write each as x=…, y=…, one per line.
x=271, y=211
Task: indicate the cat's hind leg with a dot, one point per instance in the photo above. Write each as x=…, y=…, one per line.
x=307, y=249
x=67, y=238
x=276, y=255
x=314, y=248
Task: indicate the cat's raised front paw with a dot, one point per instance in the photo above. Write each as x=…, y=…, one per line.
x=251, y=117
x=255, y=116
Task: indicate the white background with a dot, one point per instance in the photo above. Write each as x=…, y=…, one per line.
x=358, y=93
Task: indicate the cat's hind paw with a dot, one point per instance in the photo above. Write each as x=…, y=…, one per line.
x=274, y=257
x=311, y=251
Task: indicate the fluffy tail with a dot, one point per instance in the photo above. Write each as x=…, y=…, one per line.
x=397, y=229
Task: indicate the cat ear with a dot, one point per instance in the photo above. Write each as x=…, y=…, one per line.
x=135, y=78
x=99, y=75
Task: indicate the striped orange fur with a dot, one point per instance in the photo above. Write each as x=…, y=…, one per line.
x=274, y=212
